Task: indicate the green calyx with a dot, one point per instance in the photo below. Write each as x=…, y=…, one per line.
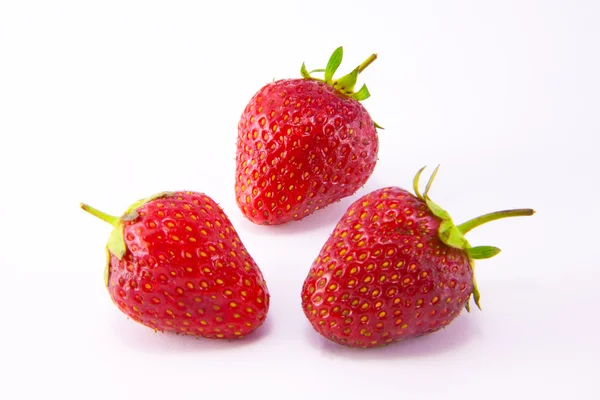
x=116, y=241
x=454, y=235
x=346, y=83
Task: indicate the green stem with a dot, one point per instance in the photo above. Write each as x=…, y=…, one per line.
x=367, y=62
x=103, y=216
x=475, y=222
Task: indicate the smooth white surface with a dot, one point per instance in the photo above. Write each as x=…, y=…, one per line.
x=106, y=102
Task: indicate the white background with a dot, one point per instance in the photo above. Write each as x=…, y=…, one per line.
x=109, y=101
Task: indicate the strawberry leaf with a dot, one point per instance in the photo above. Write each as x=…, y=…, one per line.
x=482, y=252
x=362, y=94
x=430, y=181
x=116, y=242
x=476, y=294
x=333, y=64
x=451, y=236
x=131, y=211
x=416, y=180
x=107, y=267
x=437, y=210
x=304, y=72
x=347, y=82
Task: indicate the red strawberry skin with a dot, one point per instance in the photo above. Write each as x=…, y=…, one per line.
x=301, y=145
x=186, y=270
x=384, y=275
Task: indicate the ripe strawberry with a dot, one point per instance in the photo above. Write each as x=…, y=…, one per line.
x=395, y=267
x=303, y=144
x=175, y=263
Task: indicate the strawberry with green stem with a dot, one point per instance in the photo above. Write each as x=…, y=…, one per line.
x=395, y=267
x=303, y=144
x=175, y=263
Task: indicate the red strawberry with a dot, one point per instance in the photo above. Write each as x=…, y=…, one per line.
x=395, y=267
x=175, y=263
x=303, y=144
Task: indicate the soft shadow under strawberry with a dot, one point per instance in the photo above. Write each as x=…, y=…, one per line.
x=144, y=340
x=451, y=338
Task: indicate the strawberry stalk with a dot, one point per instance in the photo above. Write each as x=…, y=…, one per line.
x=477, y=221
x=367, y=62
x=111, y=219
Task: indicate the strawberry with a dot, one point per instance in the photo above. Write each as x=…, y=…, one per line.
x=175, y=263
x=395, y=267
x=303, y=144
